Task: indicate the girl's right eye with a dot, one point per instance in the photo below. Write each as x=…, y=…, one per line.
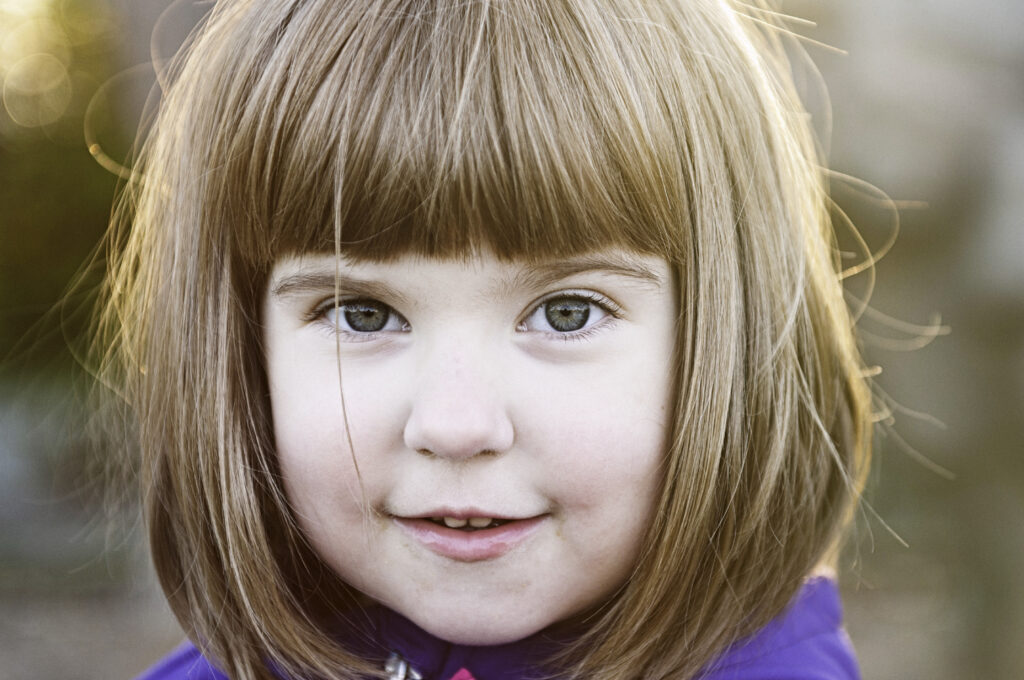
x=361, y=317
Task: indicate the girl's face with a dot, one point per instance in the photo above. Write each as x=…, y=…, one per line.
x=507, y=424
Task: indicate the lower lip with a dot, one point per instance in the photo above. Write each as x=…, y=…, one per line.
x=470, y=546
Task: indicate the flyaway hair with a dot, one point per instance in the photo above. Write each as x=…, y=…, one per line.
x=535, y=130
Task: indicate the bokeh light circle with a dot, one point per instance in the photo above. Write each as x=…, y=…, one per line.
x=37, y=90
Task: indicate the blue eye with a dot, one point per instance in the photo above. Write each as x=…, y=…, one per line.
x=363, y=316
x=569, y=314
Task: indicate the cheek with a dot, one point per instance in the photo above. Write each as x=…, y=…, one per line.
x=606, y=442
x=310, y=416
x=316, y=459
x=319, y=476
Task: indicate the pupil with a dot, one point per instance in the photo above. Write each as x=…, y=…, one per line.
x=567, y=314
x=367, y=317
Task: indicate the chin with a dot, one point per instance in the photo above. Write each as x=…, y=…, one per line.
x=476, y=630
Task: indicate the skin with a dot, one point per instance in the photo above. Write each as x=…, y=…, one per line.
x=467, y=400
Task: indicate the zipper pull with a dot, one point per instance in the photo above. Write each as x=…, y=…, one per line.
x=398, y=668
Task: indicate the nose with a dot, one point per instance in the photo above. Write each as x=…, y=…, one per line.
x=459, y=408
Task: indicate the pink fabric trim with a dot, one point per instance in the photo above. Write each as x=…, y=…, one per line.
x=462, y=674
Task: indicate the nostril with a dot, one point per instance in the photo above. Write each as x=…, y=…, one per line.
x=446, y=437
x=427, y=453
x=458, y=421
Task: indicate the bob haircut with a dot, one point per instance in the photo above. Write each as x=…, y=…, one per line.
x=534, y=130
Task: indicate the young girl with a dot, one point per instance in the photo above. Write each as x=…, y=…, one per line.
x=489, y=339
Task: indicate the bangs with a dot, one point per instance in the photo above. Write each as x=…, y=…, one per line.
x=444, y=131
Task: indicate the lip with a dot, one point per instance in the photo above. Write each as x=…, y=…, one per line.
x=470, y=546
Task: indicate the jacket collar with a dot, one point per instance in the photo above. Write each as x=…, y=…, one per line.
x=412, y=651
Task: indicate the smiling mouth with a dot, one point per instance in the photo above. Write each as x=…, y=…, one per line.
x=469, y=524
x=470, y=538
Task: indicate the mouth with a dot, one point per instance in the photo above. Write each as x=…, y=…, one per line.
x=470, y=524
x=469, y=538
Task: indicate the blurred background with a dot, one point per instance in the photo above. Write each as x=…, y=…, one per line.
x=928, y=105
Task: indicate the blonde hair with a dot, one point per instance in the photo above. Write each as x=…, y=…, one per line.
x=535, y=129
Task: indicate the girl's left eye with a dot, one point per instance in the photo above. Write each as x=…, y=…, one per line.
x=568, y=314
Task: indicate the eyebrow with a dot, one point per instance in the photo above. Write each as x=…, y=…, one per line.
x=543, y=274
x=322, y=281
x=534, y=275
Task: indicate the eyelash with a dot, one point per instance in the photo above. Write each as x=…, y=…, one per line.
x=319, y=315
x=609, y=307
x=612, y=310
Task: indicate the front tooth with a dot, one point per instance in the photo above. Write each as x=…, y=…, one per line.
x=479, y=522
x=454, y=522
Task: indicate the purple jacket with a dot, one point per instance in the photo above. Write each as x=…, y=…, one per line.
x=806, y=642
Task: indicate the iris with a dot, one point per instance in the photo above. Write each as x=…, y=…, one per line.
x=366, y=316
x=567, y=314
